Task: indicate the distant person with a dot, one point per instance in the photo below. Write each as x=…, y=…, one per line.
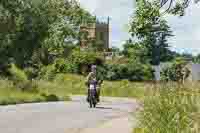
x=95, y=80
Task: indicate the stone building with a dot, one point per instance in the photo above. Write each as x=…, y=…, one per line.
x=98, y=32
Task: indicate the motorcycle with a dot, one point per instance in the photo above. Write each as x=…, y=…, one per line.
x=92, y=96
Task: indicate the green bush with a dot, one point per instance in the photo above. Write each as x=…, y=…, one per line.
x=31, y=72
x=50, y=98
x=17, y=74
x=33, y=92
x=72, y=68
x=20, y=79
x=84, y=59
x=61, y=65
x=176, y=72
x=48, y=72
x=130, y=71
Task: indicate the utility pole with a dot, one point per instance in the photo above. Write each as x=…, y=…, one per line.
x=157, y=35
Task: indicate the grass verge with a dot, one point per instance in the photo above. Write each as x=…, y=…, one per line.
x=10, y=94
x=61, y=87
x=170, y=108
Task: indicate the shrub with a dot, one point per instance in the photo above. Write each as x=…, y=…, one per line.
x=31, y=72
x=48, y=72
x=140, y=72
x=59, y=78
x=84, y=59
x=130, y=71
x=17, y=74
x=20, y=78
x=61, y=65
x=50, y=98
x=111, y=72
x=70, y=67
x=177, y=72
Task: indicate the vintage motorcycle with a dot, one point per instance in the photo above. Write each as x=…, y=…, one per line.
x=92, y=95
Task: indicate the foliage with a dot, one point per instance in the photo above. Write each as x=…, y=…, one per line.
x=61, y=65
x=51, y=97
x=176, y=7
x=133, y=71
x=33, y=31
x=146, y=24
x=114, y=49
x=62, y=86
x=31, y=72
x=46, y=91
x=47, y=72
x=84, y=59
x=75, y=84
x=171, y=109
x=177, y=72
x=20, y=79
x=197, y=59
x=17, y=74
x=136, y=51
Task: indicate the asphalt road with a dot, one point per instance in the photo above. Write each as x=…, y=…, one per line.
x=62, y=117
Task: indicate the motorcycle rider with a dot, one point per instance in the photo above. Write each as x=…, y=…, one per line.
x=93, y=79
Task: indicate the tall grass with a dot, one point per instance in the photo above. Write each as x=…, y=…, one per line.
x=75, y=84
x=11, y=94
x=61, y=87
x=124, y=88
x=171, y=108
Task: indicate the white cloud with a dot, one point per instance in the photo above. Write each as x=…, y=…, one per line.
x=187, y=29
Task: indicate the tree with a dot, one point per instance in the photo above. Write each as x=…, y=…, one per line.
x=115, y=49
x=176, y=7
x=178, y=71
x=135, y=52
x=147, y=21
x=33, y=30
x=197, y=59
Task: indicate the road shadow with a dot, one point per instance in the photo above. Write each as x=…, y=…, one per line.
x=109, y=108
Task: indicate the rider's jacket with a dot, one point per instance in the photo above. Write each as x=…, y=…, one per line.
x=93, y=84
x=91, y=80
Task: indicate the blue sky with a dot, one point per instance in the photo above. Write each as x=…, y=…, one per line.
x=186, y=29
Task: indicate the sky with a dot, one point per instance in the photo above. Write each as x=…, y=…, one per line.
x=186, y=29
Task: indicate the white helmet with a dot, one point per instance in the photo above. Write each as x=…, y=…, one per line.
x=93, y=67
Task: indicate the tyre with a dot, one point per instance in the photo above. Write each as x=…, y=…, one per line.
x=90, y=103
x=92, y=99
x=94, y=104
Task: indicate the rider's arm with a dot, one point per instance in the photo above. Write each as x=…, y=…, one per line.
x=88, y=78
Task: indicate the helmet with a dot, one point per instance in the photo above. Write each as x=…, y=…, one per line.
x=94, y=67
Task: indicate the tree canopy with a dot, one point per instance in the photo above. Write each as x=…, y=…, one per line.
x=176, y=7
x=149, y=27
x=32, y=30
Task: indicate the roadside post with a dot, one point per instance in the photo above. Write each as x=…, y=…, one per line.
x=157, y=34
